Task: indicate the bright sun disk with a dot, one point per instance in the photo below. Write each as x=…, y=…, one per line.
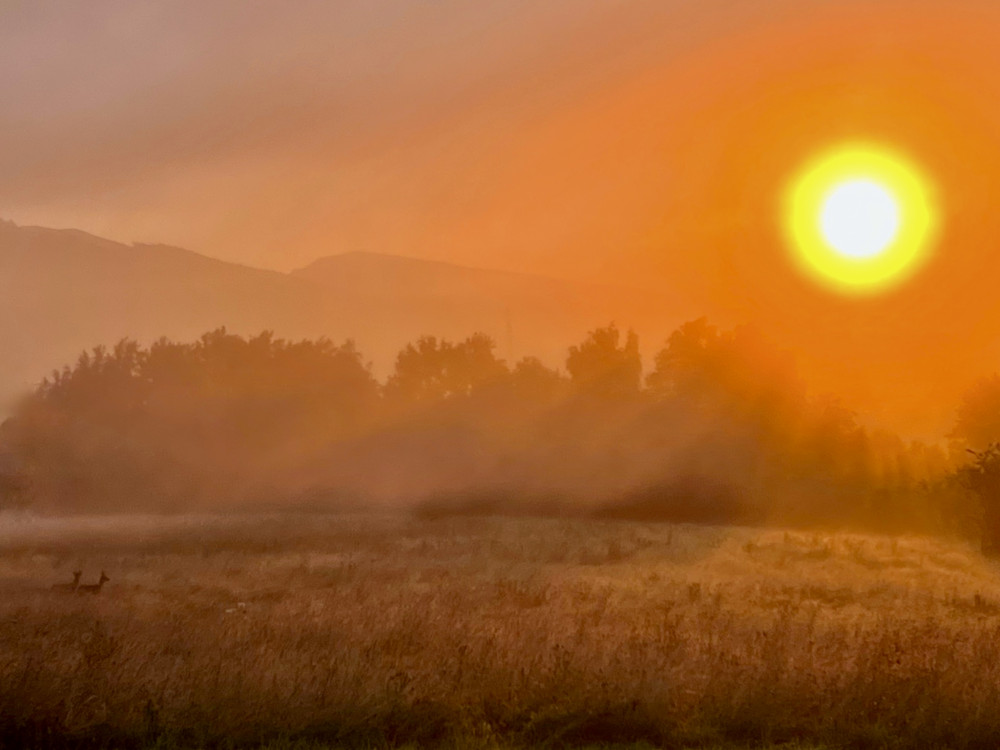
x=860, y=218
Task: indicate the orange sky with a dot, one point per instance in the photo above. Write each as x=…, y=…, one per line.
x=643, y=142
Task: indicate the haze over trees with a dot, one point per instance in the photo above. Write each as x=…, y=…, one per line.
x=63, y=290
x=720, y=429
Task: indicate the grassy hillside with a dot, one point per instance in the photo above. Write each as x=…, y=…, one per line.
x=383, y=631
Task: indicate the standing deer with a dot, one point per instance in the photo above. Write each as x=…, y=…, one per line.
x=93, y=588
x=68, y=588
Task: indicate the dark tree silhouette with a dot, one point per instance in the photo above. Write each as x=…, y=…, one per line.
x=978, y=420
x=433, y=369
x=722, y=432
x=185, y=421
x=689, y=361
x=14, y=484
x=604, y=366
x=533, y=383
x=982, y=477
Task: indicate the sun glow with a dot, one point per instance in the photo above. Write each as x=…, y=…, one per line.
x=860, y=219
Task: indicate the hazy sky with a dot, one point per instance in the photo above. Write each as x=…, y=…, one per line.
x=273, y=133
x=637, y=141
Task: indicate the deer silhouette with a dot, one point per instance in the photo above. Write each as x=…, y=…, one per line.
x=68, y=588
x=93, y=588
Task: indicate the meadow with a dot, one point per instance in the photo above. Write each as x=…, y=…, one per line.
x=314, y=630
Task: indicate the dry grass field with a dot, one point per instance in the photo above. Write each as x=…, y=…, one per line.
x=387, y=631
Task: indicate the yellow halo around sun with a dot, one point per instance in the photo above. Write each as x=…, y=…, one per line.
x=860, y=218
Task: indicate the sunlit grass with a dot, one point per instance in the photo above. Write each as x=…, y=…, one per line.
x=387, y=631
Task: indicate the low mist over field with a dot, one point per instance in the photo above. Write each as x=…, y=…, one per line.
x=720, y=430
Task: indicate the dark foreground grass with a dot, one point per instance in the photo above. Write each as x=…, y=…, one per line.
x=389, y=632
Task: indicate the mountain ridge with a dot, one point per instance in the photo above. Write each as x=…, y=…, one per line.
x=63, y=291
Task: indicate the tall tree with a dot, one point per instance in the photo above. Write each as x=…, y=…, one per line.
x=978, y=421
x=606, y=367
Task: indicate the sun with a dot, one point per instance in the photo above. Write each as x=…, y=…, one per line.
x=860, y=218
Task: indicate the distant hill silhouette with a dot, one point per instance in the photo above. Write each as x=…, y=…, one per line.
x=62, y=291
x=404, y=298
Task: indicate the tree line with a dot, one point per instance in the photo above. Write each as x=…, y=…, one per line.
x=718, y=429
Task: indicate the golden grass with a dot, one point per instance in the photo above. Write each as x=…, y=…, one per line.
x=386, y=630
